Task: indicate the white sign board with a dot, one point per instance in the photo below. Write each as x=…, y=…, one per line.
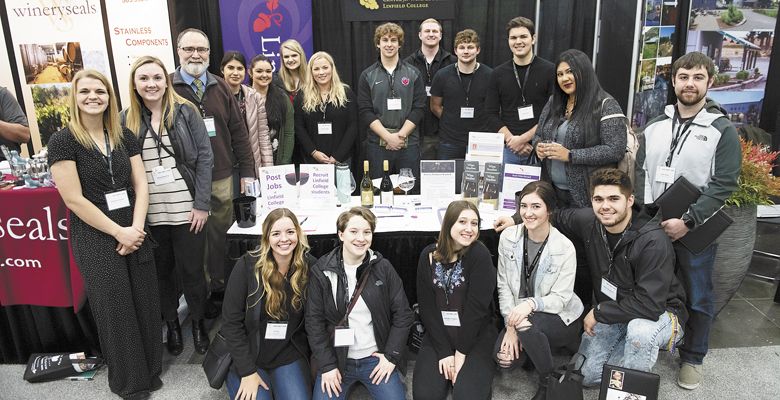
x=515, y=179
x=485, y=147
x=437, y=181
x=278, y=187
x=317, y=186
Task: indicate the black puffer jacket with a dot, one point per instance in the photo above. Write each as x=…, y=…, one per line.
x=384, y=295
x=243, y=328
x=191, y=150
x=643, y=268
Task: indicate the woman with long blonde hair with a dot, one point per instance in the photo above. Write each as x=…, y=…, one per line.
x=325, y=114
x=100, y=175
x=292, y=74
x=177, y=158
x=263, y=326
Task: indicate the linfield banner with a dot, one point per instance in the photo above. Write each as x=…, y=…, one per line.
x=398, y=10
x=259, y=27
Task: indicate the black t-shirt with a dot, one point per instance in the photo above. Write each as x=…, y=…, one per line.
x=452, y=128
x=505, y=94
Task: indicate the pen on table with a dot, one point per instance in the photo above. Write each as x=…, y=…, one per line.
x=389, y=216
x=304, y=220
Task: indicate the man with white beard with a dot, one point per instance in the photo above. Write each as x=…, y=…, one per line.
x=229, y=143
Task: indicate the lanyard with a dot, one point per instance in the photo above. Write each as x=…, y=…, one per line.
x=160, y=146
x=529, y=268
x=525, y=78
x=391, y=79
x=108, y=156
x=324, y=106
x=682, y=132
x=611, y=252
x=467, y=89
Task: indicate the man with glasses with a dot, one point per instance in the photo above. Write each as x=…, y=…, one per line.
x=229, y=143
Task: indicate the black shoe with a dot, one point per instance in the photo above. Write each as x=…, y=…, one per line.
x=541, y=391
x=142, y=395
x=200, y=336
x=211, y=310
x=157, y=383
x=174, y=339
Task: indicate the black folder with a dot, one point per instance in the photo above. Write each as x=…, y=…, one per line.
x=618, y=383
x=674, y=202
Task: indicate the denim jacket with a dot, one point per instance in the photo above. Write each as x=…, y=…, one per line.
x=554, y=279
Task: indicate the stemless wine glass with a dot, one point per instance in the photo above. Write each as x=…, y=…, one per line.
x=406, y=180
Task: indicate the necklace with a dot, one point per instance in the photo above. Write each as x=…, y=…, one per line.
x=570, y=108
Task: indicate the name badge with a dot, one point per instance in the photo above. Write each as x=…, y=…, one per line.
x=162, y=175
x=325, y=128
x=524, y=113
x=664, y=174
x=467, y=112
x=450, y=318
x=118, y=199
x=394, y=104
x=343, y=337
x=428, y=91
x=276, y=330
x=210, y=127
x=609, y=289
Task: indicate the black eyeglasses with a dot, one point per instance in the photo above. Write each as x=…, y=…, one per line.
x=190, y=50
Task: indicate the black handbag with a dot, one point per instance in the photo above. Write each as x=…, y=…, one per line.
x=565, y=382
x=217, y=361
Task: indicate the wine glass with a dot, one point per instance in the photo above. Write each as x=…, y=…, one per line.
x=406, y=180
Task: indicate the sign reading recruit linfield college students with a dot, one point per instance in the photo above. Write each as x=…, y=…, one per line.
x=317, y=185
x=52, y=40
x=259, y=27
x=384, y=10
x=138, y=28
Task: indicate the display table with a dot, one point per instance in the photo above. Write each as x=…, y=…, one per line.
x=41, y=290
x=401, y=234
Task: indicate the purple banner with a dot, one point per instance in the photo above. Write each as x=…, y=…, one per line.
x=258, y=27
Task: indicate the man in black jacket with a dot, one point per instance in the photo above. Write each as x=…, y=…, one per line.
x=429, y=59
x=640, y=302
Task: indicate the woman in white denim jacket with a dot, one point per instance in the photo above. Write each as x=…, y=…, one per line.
x=536, y=269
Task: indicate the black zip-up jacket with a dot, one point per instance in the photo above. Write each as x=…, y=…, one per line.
x=443, y=58
x=191, y=150
x=384, y=295
x=643, y=268
x=240, y=327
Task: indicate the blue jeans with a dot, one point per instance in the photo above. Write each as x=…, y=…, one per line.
x=450, y=151
x=633, y=345
x=695, y=270
x=359, y=371
x=290, y=381
x=408, y=157
x=510, y=157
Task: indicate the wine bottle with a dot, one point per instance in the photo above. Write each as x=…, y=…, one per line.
x=366, y=188
x=386, y=186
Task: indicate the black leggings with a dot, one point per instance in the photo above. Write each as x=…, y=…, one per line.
x=475, y=379
x=547, y=331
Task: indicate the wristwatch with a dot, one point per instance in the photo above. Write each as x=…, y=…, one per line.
x=689, y=222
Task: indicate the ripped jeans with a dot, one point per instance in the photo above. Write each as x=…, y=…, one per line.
x=633, y=345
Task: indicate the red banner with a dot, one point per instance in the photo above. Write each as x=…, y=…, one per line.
x=36, y=264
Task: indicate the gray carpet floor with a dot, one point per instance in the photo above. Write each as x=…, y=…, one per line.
x=731, y=373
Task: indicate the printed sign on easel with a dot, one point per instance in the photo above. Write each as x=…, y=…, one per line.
x=317, y=186
x=278, y=187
